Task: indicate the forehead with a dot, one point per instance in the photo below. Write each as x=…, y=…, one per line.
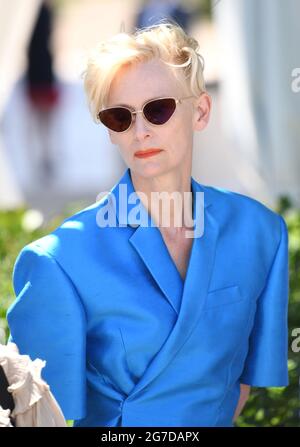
x=135, y=84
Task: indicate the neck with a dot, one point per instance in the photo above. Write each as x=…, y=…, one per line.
x=168, y=199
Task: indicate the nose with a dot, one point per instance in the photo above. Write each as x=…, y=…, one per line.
x=140, y=126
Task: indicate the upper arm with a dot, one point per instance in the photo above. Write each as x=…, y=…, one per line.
x=47, y=321
x=266, y=362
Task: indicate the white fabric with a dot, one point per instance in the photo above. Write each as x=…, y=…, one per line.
x=4, y=418
x=35, y=405
x=259, y=43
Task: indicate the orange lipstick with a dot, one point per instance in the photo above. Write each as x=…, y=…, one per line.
x=147, y=153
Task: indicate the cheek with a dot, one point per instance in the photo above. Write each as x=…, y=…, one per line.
x=124, y=151
x=183, y=121
x=113, y=138
x=181, y=133
x=120, y=139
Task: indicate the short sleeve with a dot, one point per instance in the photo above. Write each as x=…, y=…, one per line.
x=266, y=364
x=47, y=321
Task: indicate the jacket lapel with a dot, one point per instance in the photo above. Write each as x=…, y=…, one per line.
x=187, y=298
x=150, y=245
x=147, y=241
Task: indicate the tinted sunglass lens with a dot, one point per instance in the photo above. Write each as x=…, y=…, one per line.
x=117, y=119
x=160, y=111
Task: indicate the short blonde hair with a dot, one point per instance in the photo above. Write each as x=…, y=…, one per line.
x=166, y=41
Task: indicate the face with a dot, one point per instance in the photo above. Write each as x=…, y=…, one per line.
x=133, y=86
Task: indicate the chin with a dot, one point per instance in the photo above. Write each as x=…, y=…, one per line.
x=149, y=170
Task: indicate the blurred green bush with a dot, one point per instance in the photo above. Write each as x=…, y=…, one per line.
x=18, y=228
x=266, y=406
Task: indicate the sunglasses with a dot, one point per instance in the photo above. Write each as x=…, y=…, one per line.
x=156, y=111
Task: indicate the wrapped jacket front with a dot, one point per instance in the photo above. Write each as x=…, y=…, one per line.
x=127, y=342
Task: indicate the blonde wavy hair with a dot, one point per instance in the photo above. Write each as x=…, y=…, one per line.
x=166, y=41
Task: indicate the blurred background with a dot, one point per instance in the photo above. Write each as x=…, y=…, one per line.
x=54, y=160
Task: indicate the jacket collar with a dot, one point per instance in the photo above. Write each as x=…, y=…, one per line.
x=124, y=199
x=147, y=239
x=185, y=297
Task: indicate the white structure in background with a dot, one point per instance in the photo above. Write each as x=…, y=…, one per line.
x=16, y=21
x=260, y=111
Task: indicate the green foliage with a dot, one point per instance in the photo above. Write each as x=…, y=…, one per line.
x=265, y=406
x=14, y=235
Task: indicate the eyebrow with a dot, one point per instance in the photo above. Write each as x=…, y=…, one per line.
x=150, y=99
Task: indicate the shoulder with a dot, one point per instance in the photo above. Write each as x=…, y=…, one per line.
x=73, y=235
x=241, y=205
x=245, y=215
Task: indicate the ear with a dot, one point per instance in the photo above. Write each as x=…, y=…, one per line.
x=202, y=108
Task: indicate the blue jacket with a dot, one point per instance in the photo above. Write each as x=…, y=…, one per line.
x=129, y=343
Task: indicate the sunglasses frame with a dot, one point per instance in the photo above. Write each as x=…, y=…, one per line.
x=134, y=112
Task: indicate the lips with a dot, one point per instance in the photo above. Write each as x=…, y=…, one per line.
x=147, y=153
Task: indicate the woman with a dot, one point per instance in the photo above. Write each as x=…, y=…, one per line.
x=42, y=89
x=144, y=323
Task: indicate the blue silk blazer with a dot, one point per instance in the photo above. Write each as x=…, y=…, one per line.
x=127, y=341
